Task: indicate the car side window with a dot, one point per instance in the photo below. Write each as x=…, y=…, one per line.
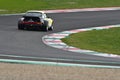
x=44, y=16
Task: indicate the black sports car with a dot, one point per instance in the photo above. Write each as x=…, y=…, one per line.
x=35, y=20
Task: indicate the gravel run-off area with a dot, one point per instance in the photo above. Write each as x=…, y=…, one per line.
x=11, y=71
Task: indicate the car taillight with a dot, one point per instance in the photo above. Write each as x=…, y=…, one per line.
x=24, y=22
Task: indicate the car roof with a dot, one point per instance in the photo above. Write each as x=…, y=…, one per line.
x=36, y=11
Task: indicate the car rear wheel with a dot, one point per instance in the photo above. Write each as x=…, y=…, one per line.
x=20, y=27
x=45, y=26
x=51, y=28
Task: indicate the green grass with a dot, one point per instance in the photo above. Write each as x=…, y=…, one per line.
x=107, y=40
x=18, y=6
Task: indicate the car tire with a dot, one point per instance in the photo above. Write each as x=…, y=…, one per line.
x=51, y=28
x=20, y=27
x=45, y=26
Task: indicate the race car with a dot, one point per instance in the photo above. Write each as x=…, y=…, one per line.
x=35, y=20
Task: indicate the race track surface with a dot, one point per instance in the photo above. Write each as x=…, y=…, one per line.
x=28, y=44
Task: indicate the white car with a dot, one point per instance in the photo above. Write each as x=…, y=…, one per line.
x=35, y=20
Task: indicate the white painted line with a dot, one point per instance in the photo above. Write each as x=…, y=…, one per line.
x=56, y=63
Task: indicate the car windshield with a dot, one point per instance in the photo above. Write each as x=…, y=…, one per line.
x=34, y=14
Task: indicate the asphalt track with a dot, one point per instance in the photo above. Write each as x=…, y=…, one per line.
x=28, y=45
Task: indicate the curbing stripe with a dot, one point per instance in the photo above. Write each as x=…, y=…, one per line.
x=71, y=10
x=61, y=45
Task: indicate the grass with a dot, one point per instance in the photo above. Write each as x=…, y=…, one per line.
x=18, y=6
x=107, y=40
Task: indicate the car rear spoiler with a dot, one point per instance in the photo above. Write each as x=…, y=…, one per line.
x=34, y=18
x=31, y=16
